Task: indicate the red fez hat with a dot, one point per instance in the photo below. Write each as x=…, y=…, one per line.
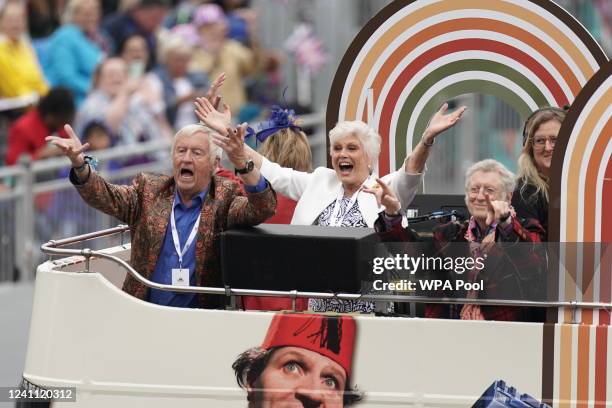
x=330, y=336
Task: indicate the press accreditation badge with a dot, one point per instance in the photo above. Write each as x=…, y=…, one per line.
x=180, y=277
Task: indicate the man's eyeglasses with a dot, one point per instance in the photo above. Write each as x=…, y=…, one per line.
x=475, y=190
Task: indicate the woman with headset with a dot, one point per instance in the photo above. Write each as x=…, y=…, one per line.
x=530, y=198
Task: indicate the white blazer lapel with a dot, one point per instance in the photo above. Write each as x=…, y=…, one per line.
x=321, y=192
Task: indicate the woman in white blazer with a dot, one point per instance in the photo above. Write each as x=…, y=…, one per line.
x=334, y=197
x=354, y=150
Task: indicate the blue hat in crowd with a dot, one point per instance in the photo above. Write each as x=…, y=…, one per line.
x=279, y=119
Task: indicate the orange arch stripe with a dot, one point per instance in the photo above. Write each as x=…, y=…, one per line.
x=565, y=368
x=592, y=170
x=582, y=372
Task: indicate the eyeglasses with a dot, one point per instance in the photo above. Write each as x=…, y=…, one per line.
x=475, y=190
x=540, y=142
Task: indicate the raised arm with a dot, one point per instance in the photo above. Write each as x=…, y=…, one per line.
x=212, y=95
x=117, y=200
x=511, y=228
x=441, y=121
x=73, y=149
x=252, y=208
x=221, y=121
x=286, y=181
x=120, y=105
x=384, y=197
x=233, y=145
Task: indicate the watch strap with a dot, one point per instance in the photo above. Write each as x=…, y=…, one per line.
x=248, y=167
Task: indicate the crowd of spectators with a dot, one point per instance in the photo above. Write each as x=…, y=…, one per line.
x=121, y=73
x=131, y=67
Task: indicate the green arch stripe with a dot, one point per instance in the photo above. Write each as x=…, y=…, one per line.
x=461, y=66
x=450, y=92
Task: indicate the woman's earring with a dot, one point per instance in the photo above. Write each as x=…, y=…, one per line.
x=370, y=169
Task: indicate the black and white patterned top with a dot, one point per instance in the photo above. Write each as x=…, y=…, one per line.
x=340, y=306
x=353, y=218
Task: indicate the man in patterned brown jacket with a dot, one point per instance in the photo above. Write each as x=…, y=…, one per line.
x=175, y=221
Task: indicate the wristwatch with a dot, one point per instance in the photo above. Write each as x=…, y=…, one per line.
x=88, y=160
x=248, y=167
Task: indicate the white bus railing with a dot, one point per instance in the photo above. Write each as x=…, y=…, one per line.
x=54, y=248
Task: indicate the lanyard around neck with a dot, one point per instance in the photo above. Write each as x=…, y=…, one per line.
x=175, y=237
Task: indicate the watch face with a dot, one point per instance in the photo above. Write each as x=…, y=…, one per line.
x=249, y=166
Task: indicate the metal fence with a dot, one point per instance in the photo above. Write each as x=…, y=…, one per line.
x=41, y=204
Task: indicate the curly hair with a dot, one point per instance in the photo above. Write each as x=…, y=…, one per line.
x=250, y=364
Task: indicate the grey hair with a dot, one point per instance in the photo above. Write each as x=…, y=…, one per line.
x=70, y=9
x=214, y=150
x=172, y=43
x=368, y=137
x=507, y=178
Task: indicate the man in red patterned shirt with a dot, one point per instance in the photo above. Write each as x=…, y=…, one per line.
x=509, y=272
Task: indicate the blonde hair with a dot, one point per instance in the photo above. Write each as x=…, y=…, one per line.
x=528, y=172
x=289, y=148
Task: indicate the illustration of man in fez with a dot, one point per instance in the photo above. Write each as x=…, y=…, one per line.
x=304, y=361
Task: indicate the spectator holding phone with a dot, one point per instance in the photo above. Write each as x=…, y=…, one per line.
x=135, y=53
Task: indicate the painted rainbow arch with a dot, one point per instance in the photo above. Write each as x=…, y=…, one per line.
x=581, y=191
x=414, y=55
x=581, y=198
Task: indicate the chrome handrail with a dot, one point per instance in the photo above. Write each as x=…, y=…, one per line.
x=51, y=249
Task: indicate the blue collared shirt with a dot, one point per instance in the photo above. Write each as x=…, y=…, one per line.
x=168, y=259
